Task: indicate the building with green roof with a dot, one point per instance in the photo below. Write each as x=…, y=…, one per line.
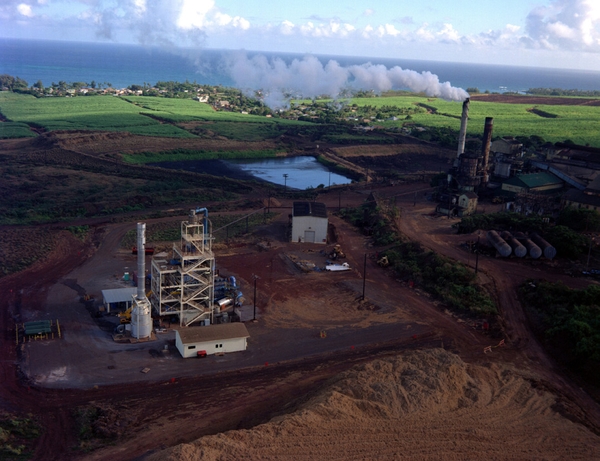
x=543, y=182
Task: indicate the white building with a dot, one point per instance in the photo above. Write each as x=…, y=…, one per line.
x=118, y=298
x=309, y=222
x=212, y=339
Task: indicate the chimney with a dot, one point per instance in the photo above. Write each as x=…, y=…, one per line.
x=485, y=149
x=141, y=249
x=462, y=135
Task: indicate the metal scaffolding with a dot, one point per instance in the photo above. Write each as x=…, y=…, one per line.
x=184, y=285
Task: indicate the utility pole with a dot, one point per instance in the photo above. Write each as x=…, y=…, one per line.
x=477, y=256
x=449, y=195
x=364, y=276
x=285, y=176
x=255, y=278
x=587, y=265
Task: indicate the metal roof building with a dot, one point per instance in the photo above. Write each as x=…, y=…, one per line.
x=113, y=298
x=309, y=222
x=213, y=339
x=534, y=182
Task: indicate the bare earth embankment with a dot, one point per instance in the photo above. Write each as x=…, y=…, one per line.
x=423, y=405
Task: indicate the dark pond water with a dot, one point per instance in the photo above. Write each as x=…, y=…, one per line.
x=302, y=172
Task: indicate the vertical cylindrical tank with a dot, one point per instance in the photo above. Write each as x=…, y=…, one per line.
x=485, y=148
x=141, y=320
x=548, y=250
x=499, y=244
x=467, y=170
x=462, y=135
x=518, y=250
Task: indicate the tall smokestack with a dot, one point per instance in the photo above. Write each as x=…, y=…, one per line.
x=485, y=149
x=141, y=260
x=462, y=135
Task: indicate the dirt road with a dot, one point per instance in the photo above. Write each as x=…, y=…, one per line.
x=149, y=415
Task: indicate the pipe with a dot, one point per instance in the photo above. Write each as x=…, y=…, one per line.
x=462, y=135
x=485, y=149
x=141, y=262
x=205, y=222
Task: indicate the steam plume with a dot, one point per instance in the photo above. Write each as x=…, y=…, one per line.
x=309, y=78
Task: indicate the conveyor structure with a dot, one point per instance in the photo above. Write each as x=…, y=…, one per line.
x=184, y=285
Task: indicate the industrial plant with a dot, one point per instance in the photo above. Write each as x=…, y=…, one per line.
x=501, y=172
x=183, y=285
x=469, y=172
x=184, y=288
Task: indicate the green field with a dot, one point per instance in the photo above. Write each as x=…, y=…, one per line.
x=232, y=125
x=15, y=130
x=84, y=113
x=187, y=110
x=179, y=155
x=580, y=124
x=155, y=116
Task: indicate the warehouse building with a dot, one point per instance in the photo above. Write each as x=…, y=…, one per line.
x=588, y=198
x=309, y=222
x=213, y=339
x=533, y=183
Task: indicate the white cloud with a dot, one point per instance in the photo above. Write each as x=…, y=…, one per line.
x=448, y=34
x=204, y=15
x=224, y=20
x=390, y=29
x=193, y=13
x=287, y=27
x=25, y=10
x=331, y=29
x=560, y=26
x=423, y=33
x=140, y=6
x=566, y=24
x=560, y=30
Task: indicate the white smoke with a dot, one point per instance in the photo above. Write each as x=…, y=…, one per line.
x=309, y=78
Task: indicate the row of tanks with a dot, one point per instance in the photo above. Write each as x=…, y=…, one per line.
x=520, y=245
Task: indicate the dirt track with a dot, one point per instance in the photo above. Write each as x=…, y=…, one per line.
x=165, y=413
x=535, y=100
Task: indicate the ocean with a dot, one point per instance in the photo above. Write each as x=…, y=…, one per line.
x=124, y=65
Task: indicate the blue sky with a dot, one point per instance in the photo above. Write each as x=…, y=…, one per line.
x=542, y=33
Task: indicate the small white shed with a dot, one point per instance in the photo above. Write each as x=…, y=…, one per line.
x=309, y=222
x=118, y=298
x=213, y=339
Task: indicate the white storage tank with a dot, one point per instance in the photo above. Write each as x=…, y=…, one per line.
x=141, y=321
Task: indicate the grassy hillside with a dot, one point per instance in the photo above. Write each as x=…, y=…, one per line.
x=182, y=110
x=577, y=123
x=15, y=130
x=155, y=116
x=83, y=113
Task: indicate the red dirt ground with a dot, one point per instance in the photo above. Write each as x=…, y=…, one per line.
x=164, y=413
x=535, y=100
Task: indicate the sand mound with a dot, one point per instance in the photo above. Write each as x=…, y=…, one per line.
x=424, y=405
